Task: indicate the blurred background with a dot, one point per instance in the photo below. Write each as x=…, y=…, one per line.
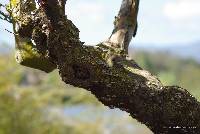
x=167, y=44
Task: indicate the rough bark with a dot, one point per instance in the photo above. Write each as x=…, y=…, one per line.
x=125, y=25
x=107, y=72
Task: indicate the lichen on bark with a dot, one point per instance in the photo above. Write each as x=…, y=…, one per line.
x=107, y=72
x=27, y=54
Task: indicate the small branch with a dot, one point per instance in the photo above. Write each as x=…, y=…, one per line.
x=5, y=16
x=125, y=25
x=10, y=31
x=62, y=5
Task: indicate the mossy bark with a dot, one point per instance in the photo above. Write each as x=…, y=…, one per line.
x=27, y=53
x=116, y=80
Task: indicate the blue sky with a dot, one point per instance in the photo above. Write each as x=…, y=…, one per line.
x=160, y=22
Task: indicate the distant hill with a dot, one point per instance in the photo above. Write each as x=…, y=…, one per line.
x=188, y=51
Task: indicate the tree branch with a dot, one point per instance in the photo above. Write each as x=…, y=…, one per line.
x=27, y=53
x=125, y=25
x=62, y=5
x=117, y=82
x=3, y=15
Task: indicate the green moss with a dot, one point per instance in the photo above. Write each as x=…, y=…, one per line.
x=27, y=55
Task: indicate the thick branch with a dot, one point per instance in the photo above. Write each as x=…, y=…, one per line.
x=119, y=83
x=125, y=25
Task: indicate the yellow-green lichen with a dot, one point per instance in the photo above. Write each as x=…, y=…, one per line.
x=27, y=55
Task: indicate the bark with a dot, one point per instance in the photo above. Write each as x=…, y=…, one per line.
x=107, y=72
x=125, y=25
